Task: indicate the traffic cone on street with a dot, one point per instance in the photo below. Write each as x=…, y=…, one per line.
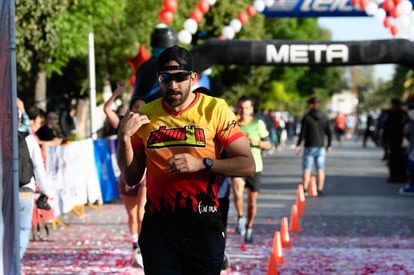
x=277, y=248
x=272, y=267
x=294, y=219
x=284, y=231
x=313, y=191
x=300, y=200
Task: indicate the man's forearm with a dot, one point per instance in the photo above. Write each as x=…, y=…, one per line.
x=128, y=164
x=239, y=166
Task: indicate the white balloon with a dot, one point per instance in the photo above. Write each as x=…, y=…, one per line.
x=211, y=2
x=404, y=7
x=371, y=8
x=411, y=15
x=259, y=5
x=191, y=25
x=207, y=71
x=404, y=21
x=269, y=3
x=228, y=32
x=185, y=37
x=380, y=14
x=236, y=25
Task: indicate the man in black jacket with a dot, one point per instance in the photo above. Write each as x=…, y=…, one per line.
x=315, y=125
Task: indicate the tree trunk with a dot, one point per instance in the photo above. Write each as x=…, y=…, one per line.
x=40, y=90
x=82, y=126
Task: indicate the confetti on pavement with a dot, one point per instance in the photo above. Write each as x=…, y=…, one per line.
x=99, y=243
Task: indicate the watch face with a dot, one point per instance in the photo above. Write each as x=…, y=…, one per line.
x=208, y=162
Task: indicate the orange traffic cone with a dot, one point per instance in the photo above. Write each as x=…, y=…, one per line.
x=294, y=219
x=284, y=231
x=277, y=248
x=313, y=191
x=272, y=267
x=300, y=200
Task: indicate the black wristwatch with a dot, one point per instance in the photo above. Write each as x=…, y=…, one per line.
x=208, y=162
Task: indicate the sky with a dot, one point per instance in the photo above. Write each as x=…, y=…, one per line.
x=359, y=28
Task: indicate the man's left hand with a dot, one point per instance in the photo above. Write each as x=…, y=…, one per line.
x=185, y=163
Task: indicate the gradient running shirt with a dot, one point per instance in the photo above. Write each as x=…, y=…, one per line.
x=203, y=129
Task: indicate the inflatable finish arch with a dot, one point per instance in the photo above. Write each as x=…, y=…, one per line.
x=302, y=53
x=293, y=53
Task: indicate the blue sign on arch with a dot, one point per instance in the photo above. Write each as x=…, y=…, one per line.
x=313, y=8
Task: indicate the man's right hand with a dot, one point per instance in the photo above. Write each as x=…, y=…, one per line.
x=131, y=123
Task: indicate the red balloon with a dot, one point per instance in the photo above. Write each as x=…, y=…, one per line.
x=394, y=30
x=170, y=5
x=388, y=5
x=166, y=16
x=396, y=2
x=197, y=15
x=242, y=18
x=395, y=13
x=363, y=4
x=251, y=10
x=203, y=6
x=387, y=22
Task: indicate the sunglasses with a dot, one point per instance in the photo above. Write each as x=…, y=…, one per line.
x=177, y=77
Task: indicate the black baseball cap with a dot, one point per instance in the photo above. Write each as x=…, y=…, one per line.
x=178, y=54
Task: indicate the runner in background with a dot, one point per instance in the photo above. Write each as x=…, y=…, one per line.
x=256, y=132
x=340, y=127
x=133, y=197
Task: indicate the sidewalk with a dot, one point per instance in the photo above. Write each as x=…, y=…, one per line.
x=362, y=225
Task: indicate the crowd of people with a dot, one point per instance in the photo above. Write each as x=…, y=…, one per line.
x=389, y=129
x=37, y=130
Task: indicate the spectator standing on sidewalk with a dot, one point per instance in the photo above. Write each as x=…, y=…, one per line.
x=408, y=189
x=314, y=127
x=179, y=138
x=133, y=197
x=24, y=126
x=393, y=132
x=258, y=136
x=27, y=188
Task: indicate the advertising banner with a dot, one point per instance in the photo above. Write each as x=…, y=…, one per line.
x=313, y=8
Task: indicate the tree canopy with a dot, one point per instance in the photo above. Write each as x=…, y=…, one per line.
x=52, y=36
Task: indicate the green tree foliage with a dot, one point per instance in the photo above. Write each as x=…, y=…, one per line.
x=51, y=33
x=52, y=36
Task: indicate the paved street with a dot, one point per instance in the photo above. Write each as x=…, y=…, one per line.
x=361, y=226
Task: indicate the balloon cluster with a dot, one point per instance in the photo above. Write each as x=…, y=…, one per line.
x=396, y=15
x=166, y=15
x=236, y=24
x=228, y=31
x=191, y=24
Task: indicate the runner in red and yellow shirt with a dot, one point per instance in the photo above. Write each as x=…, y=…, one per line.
x=179, y=139
x=202, y=129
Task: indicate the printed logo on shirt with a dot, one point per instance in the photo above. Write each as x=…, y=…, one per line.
x=230, y=125
x=188, y=135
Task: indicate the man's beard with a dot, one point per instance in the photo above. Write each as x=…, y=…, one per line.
x=175, y=101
